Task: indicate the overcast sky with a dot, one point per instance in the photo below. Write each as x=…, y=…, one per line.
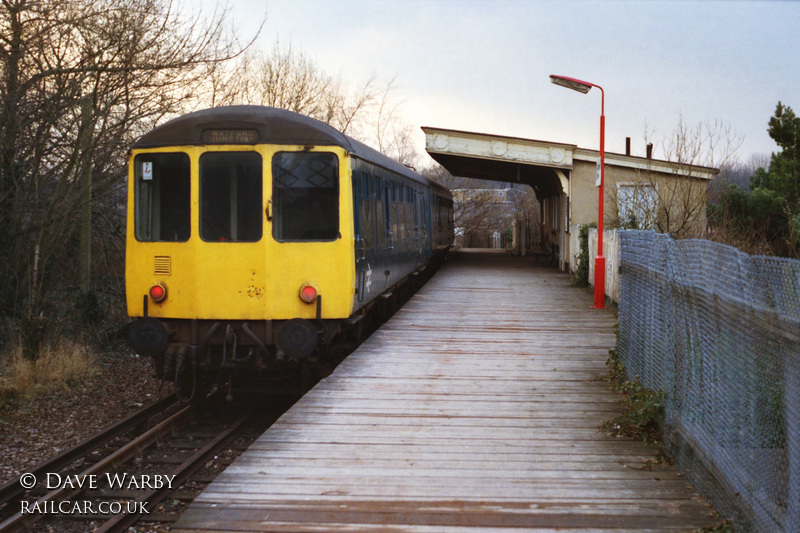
x=484, y=65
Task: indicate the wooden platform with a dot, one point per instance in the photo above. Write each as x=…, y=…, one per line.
x=476, y=408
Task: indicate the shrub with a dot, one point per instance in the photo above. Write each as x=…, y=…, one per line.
x=54, y=368
x=581, y=275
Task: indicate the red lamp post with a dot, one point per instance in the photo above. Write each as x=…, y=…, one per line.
x=599, y=261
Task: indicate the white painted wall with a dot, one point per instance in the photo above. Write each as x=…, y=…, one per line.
x=611, y=253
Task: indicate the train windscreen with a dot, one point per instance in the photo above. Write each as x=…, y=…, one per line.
x=161, y=197
x=231, y=186
x=305, y=196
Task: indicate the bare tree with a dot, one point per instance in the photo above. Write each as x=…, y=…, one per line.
x=288, y=79
x=480, y=207
x=526, y=204
x=80, y=80
x=675, y=202
x=402, y=145
x=393, y=135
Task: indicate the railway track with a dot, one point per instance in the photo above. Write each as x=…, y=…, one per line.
x=140, y=472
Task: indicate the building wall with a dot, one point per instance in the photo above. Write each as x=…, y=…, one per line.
x=679, y=208
x=662, y=202
x=611, y=254
x=583, y=193
x=580, y=207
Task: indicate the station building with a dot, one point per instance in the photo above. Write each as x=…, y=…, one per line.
x=640, y=192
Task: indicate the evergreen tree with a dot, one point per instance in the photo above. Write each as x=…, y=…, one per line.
x=783, y=175
x=771, y=211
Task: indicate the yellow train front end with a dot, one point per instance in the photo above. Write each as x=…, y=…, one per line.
x=239, y=253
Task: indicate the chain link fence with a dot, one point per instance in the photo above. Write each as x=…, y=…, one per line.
x=718, y=331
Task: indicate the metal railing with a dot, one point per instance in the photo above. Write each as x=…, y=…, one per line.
x=718, y=331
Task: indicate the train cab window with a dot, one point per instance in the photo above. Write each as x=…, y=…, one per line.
x=230, y=197
x=161, y=196
x=305, y=196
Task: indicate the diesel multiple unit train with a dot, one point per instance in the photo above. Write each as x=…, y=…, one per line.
x=257, y=235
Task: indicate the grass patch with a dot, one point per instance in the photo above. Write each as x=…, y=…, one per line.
x=644, y=408
x=56, y=367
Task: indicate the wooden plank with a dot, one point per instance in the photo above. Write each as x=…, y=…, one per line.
x=557, y=456
x=477, y=407
x=458, y=516
x=453, y=469
x=556, y=465
x=345, y=490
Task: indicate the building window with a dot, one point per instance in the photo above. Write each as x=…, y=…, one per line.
x=637, y=206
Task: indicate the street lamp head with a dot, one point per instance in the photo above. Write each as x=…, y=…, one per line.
x=572, y=83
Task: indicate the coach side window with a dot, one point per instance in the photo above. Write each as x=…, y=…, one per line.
x=380, y=214
x=367, y=228
x=305, y=196
x=161, y=197
x=230, y=197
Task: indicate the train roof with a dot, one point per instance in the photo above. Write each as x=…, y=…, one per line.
x=247, y=124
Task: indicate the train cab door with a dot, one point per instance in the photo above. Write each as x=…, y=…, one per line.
x=230, y=194
x=311, y=244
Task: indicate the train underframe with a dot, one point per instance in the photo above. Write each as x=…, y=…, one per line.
x=264, y=356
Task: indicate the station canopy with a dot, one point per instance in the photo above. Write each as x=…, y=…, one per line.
x=545, y=166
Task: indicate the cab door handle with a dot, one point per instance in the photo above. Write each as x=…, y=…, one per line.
x=269, y=210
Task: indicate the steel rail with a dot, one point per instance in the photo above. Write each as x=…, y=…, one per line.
x=13, y=489
x=119, y=456
x=123, y=521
